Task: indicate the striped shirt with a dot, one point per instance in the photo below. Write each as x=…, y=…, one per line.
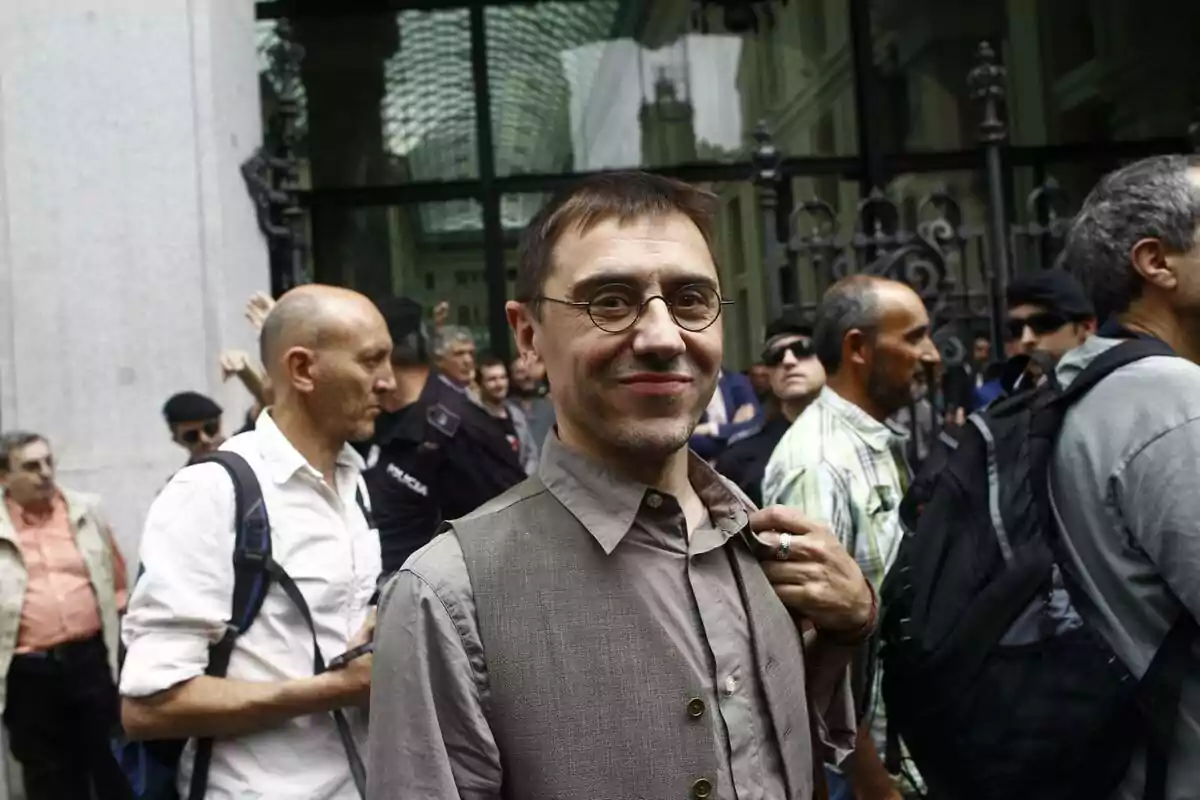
x=840, y=465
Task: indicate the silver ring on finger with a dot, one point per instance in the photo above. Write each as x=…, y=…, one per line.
x=785, y=547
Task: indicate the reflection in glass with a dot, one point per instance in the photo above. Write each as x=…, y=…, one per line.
x=578, y=86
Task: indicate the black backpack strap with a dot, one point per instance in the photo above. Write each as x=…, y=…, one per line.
x=1110, y=361
x=251, y=555
x=1160, y=688
x=357, y=770
x=253, y=571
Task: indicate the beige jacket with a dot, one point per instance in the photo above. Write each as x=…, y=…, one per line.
x=95, y=544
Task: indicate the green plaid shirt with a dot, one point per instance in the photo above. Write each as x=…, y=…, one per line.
x=840, y=465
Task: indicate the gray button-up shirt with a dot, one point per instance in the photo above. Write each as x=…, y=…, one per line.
x=429, y=733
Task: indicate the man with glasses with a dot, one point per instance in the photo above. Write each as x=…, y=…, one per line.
x=795, y=379
x=1049, y=313
x=588, y=632
x=195, y=423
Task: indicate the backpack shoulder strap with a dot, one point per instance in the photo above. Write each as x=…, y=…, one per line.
x=251, y=576
x=252, y=541
x=1109, y=362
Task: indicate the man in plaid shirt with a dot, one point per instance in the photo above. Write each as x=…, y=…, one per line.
x=843, y=463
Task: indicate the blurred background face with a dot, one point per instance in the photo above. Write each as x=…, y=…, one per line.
x=1035, y=329
x=981, y=350
x=29, y=475
x=457, y=362
x=198, y=438
x=493, y=383
x=795, y=373
x=760, y=379
x=642, y=390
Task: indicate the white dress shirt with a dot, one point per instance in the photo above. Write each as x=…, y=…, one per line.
x=181, y=604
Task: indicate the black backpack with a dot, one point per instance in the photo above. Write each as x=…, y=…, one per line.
x=151, y=766
x=991, y=678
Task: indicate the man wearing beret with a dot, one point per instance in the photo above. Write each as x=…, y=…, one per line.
x=195, y=423
x=1049, y=313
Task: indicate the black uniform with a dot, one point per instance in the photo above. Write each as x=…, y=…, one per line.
x=744, y=462
x=438, y=459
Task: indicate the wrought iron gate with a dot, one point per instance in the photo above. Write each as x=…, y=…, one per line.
x=961, y=269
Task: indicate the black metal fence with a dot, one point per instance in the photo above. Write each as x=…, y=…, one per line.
x=959, y=267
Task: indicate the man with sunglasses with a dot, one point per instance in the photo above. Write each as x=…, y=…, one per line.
x=195, y=423
x=795, y=377
x=1049, y=313
x=606, y=628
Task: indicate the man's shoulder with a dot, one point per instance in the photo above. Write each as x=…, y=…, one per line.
x=441, y=566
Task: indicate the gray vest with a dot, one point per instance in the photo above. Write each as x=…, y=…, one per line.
x=588, y=695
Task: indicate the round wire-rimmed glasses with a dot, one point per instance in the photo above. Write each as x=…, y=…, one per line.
x=614, y=309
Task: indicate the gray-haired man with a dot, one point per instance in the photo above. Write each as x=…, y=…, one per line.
x=1123, y=481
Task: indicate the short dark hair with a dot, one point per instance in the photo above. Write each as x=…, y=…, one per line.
x=624, y=196
x=403, y=317
x=489, y=360
x=849, y=304
x=1150, y=199
x=13, y=441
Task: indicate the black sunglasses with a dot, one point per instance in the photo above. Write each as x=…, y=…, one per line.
x=800, y=348
x=1040, y=324
x=211, y=429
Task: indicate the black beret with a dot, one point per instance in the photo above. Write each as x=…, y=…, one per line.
x=1054, y=290
x=190, y=407
x=792, y=323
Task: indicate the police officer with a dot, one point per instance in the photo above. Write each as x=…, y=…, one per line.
x=436, y=455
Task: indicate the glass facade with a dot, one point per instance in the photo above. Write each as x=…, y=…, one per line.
x=430, y=133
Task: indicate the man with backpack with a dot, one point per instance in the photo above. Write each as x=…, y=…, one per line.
x=841, y=462
x=1123, y=480
x=1039, y=634
x=286, y=547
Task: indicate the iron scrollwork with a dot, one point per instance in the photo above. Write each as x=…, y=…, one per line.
x=925, y=257
x=272, y=173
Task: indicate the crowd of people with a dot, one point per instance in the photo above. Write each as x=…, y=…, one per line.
x=610, y=567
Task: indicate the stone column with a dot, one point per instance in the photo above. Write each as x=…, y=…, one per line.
x=128, y=242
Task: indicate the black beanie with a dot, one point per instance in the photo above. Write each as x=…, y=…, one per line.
x=190, y=407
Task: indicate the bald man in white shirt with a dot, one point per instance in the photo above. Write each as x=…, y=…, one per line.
x=327, y=352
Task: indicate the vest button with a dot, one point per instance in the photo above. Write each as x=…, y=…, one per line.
x=702, y=789
x=695, y=708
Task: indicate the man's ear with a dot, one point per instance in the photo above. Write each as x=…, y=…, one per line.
x=523, y=323
x=1149, y=258
x=299, y=364
x=856, y=347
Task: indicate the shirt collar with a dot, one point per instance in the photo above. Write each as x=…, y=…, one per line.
x=284, y=460
x=607, y=504
x=460, y=389
x=879, y=436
